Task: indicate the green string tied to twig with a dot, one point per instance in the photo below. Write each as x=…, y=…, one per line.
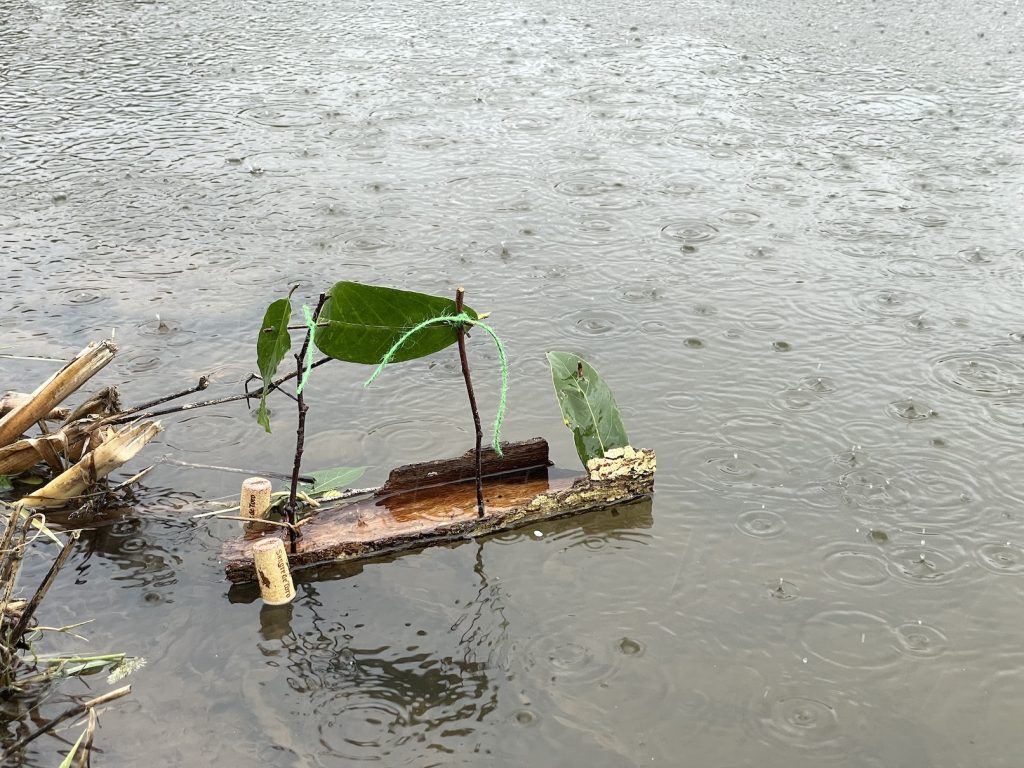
x=307, y=313
x=455, y=321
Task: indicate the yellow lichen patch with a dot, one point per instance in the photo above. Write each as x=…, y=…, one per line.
x=622, y=463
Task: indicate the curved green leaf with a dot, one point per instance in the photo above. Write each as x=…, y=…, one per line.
x=588, y=406
x=362, y=322
x=271, y=347
x=334, y=479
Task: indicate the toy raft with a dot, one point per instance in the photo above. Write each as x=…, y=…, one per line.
x=435, y=502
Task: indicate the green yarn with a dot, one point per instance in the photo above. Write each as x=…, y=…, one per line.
x=311, y=325
x=456, y=321
x=500, y=417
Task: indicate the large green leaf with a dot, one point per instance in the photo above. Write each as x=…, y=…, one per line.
x=363, y=322
x=588, y=406
x=334, y=479
x=271, y=347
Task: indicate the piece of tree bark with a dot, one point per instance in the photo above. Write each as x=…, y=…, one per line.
x=414, y=517
x=522, y=455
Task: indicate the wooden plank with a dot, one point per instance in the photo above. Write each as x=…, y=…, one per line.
x=527, y=454
x=416, y=517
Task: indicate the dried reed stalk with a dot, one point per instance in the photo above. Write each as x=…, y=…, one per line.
x=54, y=390
x=11, y=400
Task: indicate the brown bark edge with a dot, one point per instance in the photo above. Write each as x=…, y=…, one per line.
x=413, y=517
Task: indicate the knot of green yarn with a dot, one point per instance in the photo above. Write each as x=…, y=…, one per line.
x=307, y=313
x=457, y=321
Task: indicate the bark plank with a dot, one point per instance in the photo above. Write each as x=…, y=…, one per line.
x=412, y=517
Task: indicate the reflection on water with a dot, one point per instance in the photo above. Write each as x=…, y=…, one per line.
x=788, y=235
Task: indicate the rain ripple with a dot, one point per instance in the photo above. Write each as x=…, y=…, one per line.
x=722, y=467
x=850, y=638
x=822, y=723
x=926, y=563
x=855, y=565
x=980, y=373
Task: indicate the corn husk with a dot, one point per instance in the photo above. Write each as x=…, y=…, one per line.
x=27, y=452
x=119, y=448
x=55, y=390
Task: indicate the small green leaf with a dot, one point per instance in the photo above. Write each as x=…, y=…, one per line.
x=271, y=347
x=588, y=407
x=334, y=478
x=364, y=321
x=72, y=666
x=5, y=483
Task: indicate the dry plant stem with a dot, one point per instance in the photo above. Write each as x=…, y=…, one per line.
x=75, y=711
x=119, y=419
x=26, y=615
x=199, y=387
x=300, y=432
x=84, y=757
x=12, y=553
x=461, y=331
x=54, y=390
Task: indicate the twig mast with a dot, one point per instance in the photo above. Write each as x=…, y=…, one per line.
x=460, y=294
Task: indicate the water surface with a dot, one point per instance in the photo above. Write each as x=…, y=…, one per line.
x=788, y=235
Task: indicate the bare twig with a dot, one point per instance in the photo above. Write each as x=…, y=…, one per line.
x=237, y=470
x=300, y=433
x=119, y=419
x=461, y=331
x=203, y=383
x=37, y=598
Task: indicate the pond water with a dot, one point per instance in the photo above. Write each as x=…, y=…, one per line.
x=788, y=234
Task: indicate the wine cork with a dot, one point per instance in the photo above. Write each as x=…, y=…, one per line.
x=255, y=502
x=276, y=587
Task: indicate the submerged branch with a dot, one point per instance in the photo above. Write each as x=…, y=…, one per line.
x=75, y=711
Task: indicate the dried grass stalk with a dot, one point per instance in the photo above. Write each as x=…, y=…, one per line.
x=119, y=448
x=54, y=390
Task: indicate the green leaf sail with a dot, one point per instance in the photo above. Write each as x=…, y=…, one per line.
x=271, y=347
x=362, y=322
x=588, y=406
